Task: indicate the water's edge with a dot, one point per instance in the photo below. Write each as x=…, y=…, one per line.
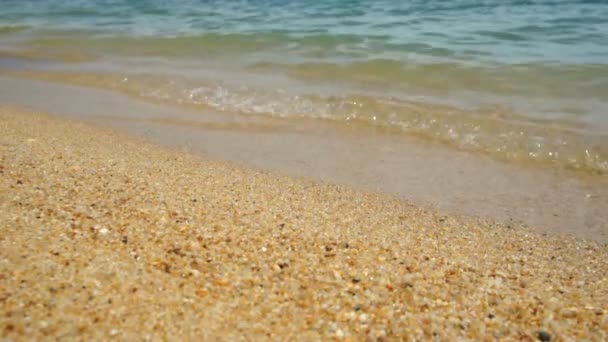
x=494, y=131
x=455, y=182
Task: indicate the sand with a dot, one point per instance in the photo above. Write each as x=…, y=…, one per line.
x=106, y=236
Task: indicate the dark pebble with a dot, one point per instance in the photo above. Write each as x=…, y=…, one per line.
x=357, y=307
x=543, y=336
x=356, y=280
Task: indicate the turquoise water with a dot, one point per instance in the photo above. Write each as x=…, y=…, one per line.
x=465, y=30
x=521, y=80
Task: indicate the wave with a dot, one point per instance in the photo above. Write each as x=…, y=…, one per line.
x=580, y=82
x=193, y=45
x=493, y=130
x=13, y=29
x=346, y=58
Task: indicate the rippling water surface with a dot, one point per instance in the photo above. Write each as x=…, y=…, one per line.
x=519, y=80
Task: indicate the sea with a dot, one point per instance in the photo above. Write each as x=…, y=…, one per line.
x=522, y=81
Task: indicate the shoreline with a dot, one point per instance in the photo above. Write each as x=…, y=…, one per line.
x=454, y=182
x=553, y=144
x=106, y=236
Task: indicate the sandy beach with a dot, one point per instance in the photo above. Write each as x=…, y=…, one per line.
x=368, y=170
x=107, y=236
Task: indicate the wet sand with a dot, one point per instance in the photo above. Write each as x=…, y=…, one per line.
x=456, y=183
x=105, y=236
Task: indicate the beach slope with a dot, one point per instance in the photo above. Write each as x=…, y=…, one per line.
x=104, y=236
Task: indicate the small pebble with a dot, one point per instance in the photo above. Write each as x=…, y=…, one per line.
x=543, y=336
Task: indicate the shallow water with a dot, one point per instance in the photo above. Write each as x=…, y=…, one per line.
x=518, y=80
